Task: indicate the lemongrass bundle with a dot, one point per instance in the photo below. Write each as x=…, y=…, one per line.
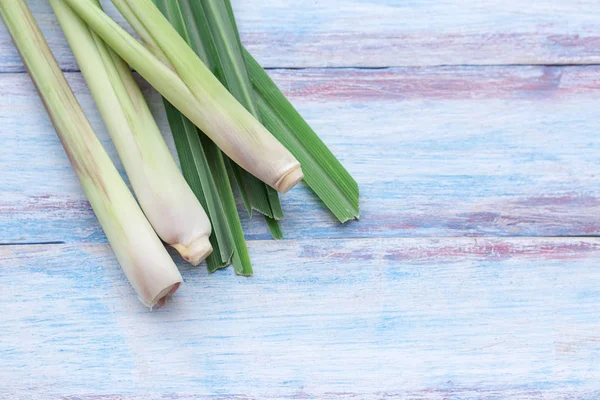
x=165, y=197
x=195, y=91
x=140, y=252
x=213, y=35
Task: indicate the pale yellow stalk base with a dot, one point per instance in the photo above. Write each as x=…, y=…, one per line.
x=196, y=251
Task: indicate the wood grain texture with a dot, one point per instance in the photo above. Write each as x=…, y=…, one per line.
x=414, y=301
x=382, y=33
x=456, y=151
x=359, y=319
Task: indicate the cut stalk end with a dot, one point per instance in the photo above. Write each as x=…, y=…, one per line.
x=196, y=251
x=290, y=179
x=161, y=298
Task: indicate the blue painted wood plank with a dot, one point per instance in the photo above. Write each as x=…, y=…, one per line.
x=440, y=319
x=381, y=33
x=457, y=151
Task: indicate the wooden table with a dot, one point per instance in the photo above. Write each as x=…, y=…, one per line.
x=473, y=130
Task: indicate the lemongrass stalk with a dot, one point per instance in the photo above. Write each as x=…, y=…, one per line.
x=165, y=197
x=140, y=252
x=195, y=91
x=144, y=34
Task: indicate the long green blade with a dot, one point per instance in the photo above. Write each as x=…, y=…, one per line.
x=209, y=159
x=323, y=173
x=275, y=228
x=241, y=258
x=221, y=50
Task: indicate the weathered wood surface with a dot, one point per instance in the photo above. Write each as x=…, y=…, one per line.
x=457, y=151
x=348, y=319
x=382, y=33
x=405, y=303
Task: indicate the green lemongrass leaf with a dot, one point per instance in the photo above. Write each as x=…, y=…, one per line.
x=244, y=191
x=221, y=50
x=257, y=195
x=196, y=170
x=222, y=173
x=275, y=204
x=214, y=162
x=274, y=228
x=323, y=173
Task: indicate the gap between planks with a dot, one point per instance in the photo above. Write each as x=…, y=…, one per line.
x=374, y=68
x=359, y=239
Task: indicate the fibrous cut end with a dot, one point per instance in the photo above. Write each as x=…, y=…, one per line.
x=161, y=298
x=290, y=179
x=196, y=251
